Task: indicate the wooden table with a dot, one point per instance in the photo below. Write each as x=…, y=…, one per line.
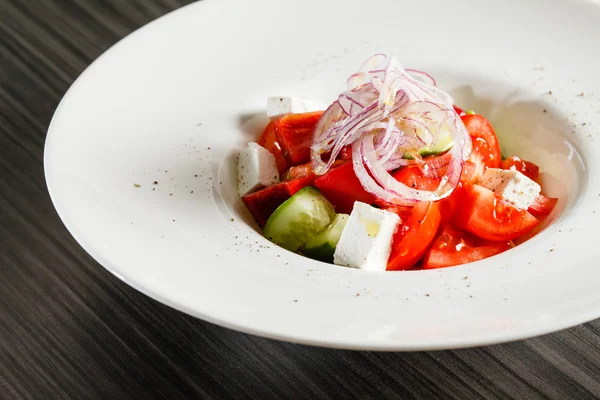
x=69, y=329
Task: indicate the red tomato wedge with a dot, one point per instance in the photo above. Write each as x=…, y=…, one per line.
x=483, y=214
x=298, y=171
x=542, y=206
x=342, y=188
x=261, y=204
x=413, y=177
x=425, y=175
x=471, y=172
x=346, y=153
x=458, y=110
x=305, y=169
x=404, y=212
x=486, y=149
x=527, y=168
x=449, y=205
x=268, y=140
x=455, y=247
x=414, y=236
x=294, y=133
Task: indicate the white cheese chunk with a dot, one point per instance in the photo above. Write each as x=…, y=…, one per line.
x=366, y=240
x=511, y=185
x=256, y=169
x=278, y=106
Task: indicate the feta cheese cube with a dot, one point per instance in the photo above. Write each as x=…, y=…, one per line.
x=278, y=106
x=256, y=169
x=366, y=240
x=511, y=185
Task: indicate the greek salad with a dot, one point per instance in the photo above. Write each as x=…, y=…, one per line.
x=390, y=176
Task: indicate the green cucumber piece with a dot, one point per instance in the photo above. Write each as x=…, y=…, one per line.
x=322, y=246
x=299, y=218
x=443, y=144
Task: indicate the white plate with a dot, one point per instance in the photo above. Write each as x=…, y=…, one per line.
x=173, y=101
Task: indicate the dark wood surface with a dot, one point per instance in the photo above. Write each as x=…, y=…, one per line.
x=69, y=329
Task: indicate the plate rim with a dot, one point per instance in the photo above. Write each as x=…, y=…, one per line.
x=501, y=337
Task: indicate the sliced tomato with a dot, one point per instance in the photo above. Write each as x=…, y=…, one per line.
x=346, y=153
x=455, y=247
x=471, y=173
x=268, y=140
x=294, y=133
x=486, y=149
x=261, y=204
x=414, y=177
x=413, y=238
x=458, y=110
x=527, y=168
x=449, y=205
x=305, y=170
x=404, y=212
x=542, y=206
x=483, y=214
x=297, y=172
x=342, y=188
x=425, y=175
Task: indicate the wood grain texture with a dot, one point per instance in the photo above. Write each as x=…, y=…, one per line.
x=71, y=330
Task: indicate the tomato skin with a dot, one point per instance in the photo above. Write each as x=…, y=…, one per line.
x=527, y=168
x=542, y=206
x=455, y=247
x=262, y=203
x=294, y=133
x=268, y=140
x=486, y=148
x=425, y=175
x=404, y=212
x=458, y=110
x=412, y=238
x=480, y=212
x=342, y=188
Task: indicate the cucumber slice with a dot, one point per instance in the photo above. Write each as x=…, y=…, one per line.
x=299, y=218
x=442, y=145
x=322, y=246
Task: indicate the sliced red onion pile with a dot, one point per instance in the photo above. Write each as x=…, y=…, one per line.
x=386, y=113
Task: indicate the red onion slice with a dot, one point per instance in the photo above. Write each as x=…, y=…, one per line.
x=386, y=113
x=423, y=76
